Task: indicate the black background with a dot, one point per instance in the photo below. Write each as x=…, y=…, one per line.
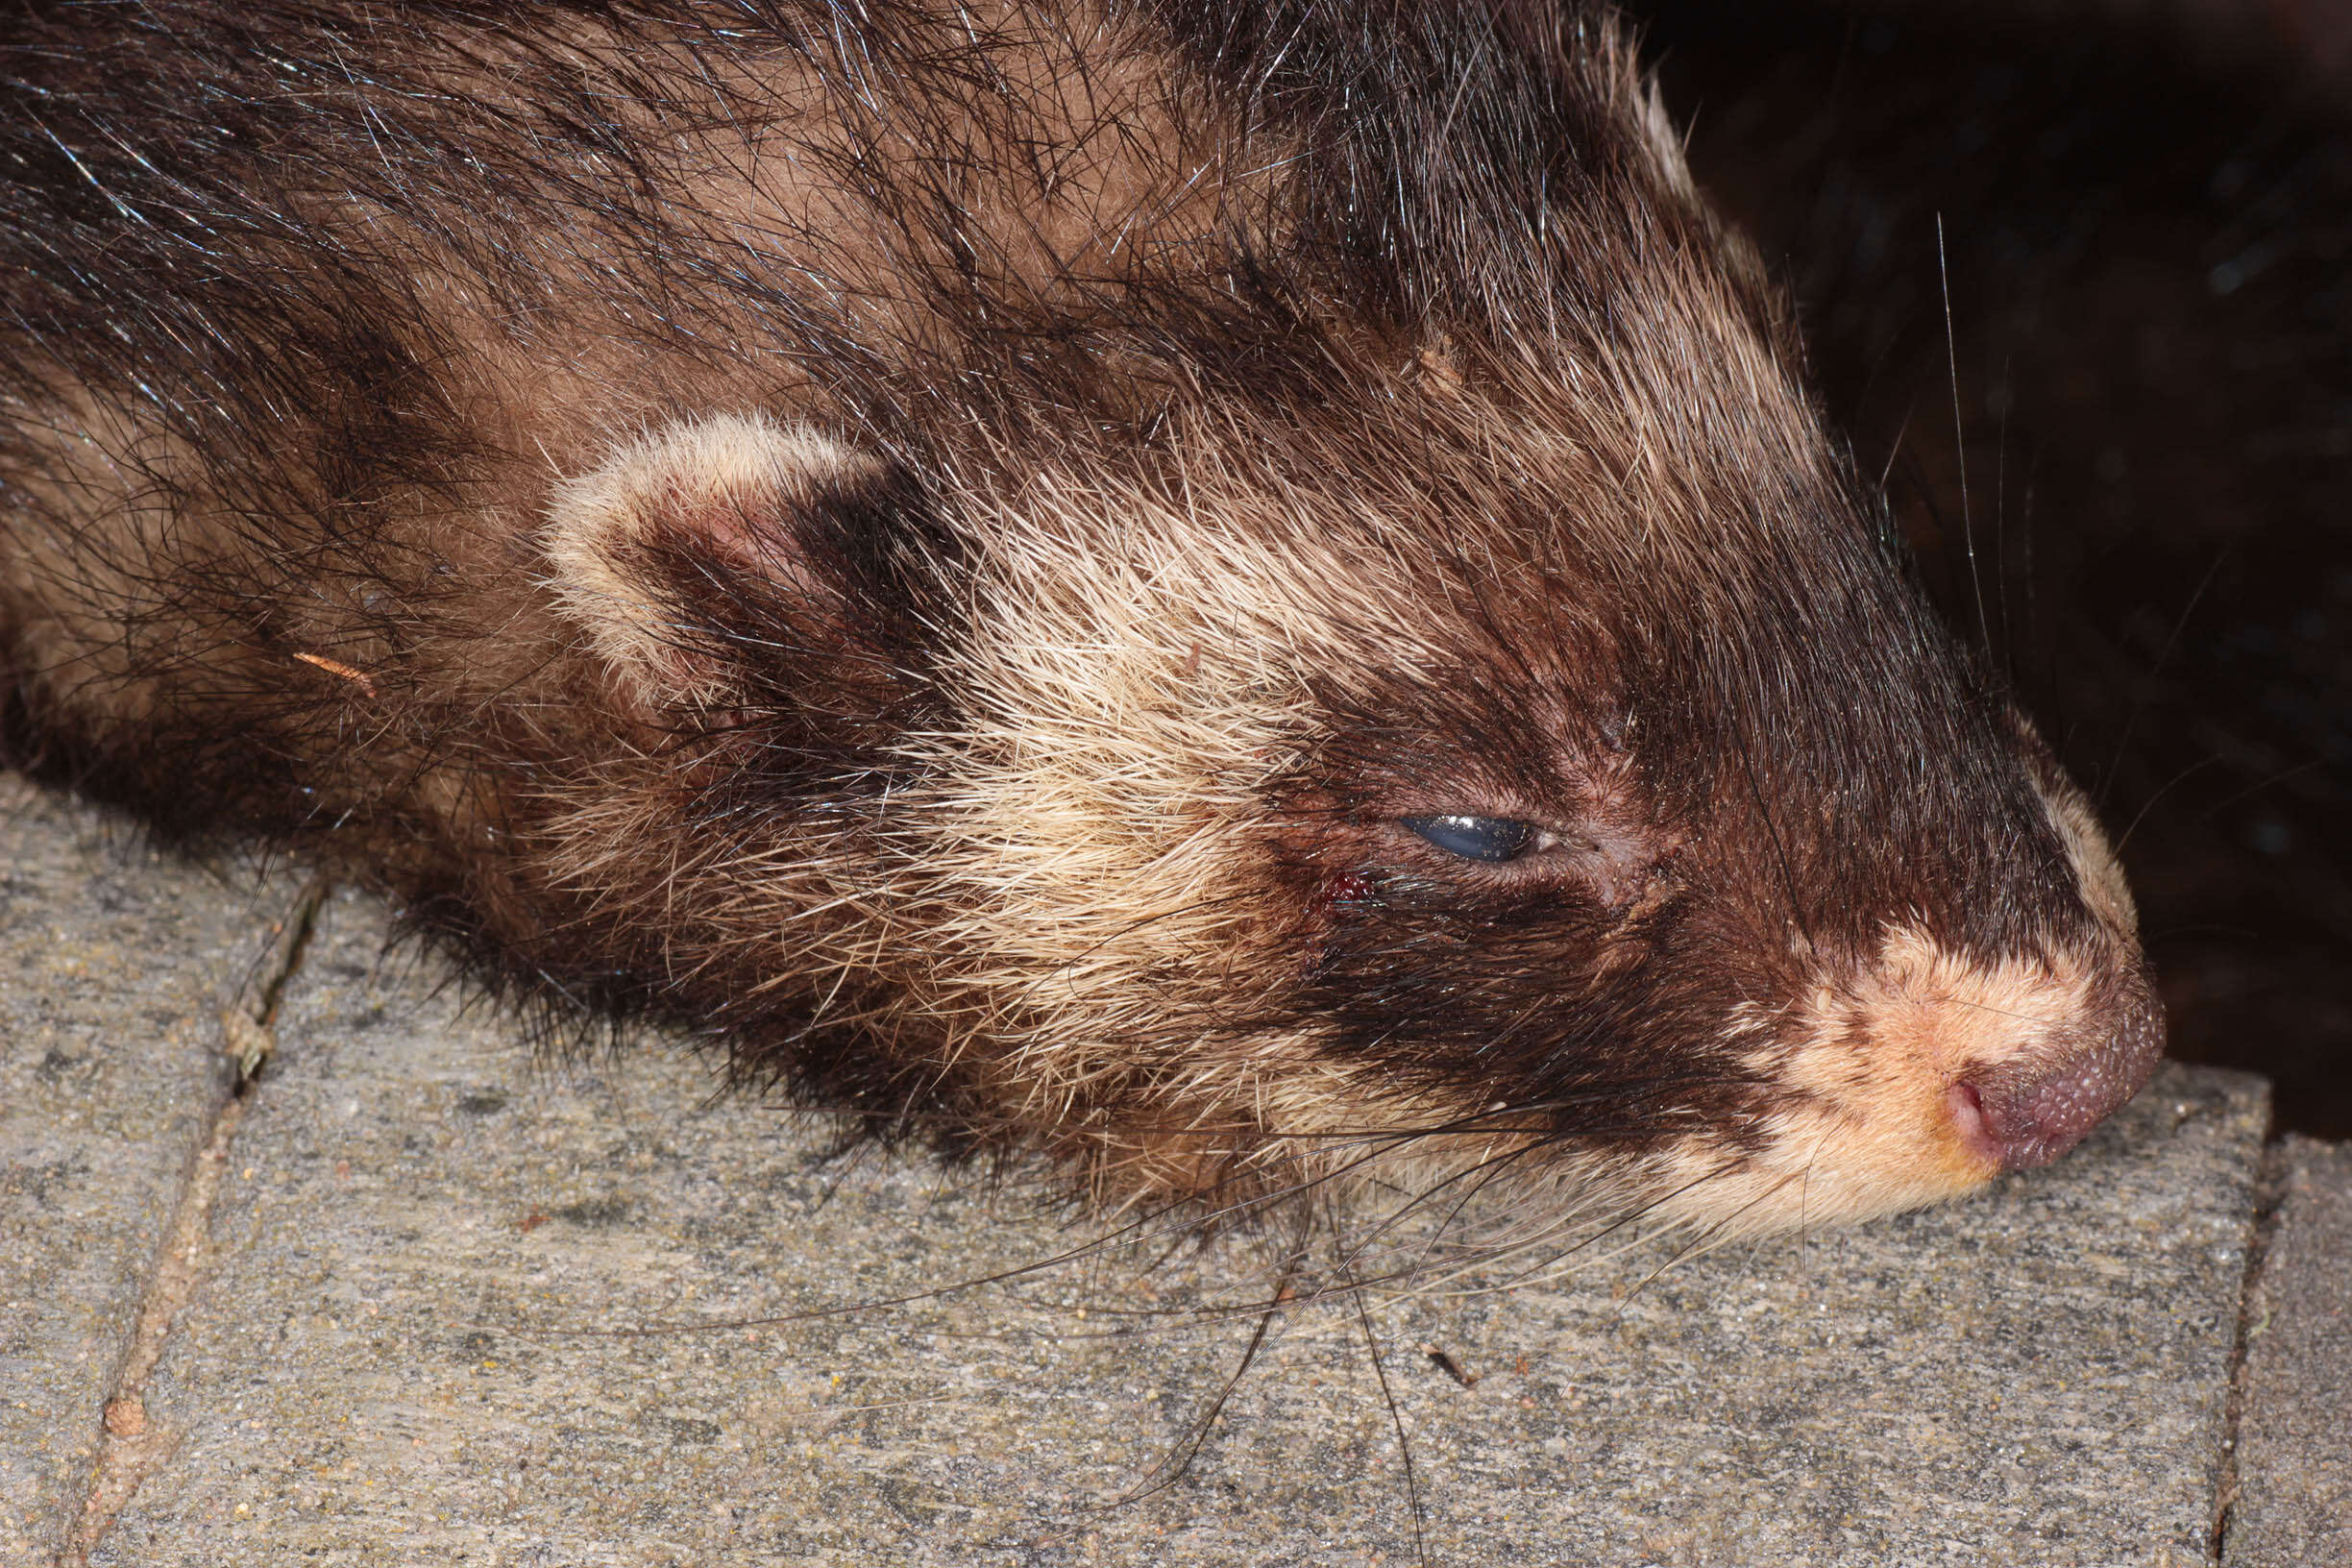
x=2148, y=240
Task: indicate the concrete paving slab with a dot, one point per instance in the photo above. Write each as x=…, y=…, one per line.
x=2294, y=1508
x=417, y=1219
x=113, y=964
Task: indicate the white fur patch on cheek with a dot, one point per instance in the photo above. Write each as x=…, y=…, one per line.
x=727, y=487
x=1138, y=681
x=1822, y=1164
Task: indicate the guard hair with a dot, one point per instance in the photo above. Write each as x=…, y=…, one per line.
x=1241, y=595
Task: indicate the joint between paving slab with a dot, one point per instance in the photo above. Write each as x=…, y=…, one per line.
x=130, y=1445
x=2269, y=1193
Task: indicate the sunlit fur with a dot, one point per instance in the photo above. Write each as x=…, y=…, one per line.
x=935, y=549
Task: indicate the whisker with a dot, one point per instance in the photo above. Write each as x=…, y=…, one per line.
x=1715, y=1235
x=1396, y=1419
x=1177, y=1463
x=2163, y=657
x=2279, y=777
x=1967, y=524
x=2149, y=804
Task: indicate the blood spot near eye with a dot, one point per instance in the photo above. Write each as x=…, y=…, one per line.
x=1347, y=888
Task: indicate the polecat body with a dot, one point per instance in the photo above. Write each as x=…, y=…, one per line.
x=1237, y=594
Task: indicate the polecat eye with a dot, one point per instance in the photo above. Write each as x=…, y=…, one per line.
x=1477, y=838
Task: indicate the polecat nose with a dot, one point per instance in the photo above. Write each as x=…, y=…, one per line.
x=2031, y=1120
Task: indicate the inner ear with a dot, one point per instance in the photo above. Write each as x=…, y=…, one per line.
x=665, y=551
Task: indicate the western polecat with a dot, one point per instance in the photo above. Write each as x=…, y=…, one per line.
x=1242, y=593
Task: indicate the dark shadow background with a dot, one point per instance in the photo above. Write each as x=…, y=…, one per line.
x=2149, y=245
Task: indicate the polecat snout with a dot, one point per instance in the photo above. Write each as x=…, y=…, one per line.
x=1239, y=593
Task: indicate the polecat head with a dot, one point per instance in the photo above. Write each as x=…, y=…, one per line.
x=1416, y=686
x=1255, y=810
x=1239, y=591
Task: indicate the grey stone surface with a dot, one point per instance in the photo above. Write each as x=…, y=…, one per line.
x=2294, y=1443
x=419, y=1223
x=113, y=965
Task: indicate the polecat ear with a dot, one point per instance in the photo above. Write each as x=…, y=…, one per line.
x=658, y=551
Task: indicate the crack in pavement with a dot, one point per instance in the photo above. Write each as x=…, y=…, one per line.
x=132, y=1445
x=2262, y=1230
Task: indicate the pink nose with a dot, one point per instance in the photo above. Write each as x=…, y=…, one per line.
x=2024, y=1120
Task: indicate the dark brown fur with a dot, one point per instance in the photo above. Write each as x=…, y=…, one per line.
x=1222, y=432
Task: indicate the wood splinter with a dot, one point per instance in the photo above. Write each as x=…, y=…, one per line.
x=336, y=667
